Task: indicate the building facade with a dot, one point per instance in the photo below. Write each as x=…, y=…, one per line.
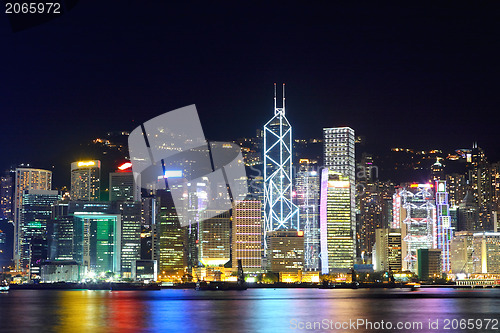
x=246, y=242
x=86, y=180
x=336, y=228
x=26, y=179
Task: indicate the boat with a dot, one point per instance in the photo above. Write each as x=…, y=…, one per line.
x=414, y=286
x=4, y=286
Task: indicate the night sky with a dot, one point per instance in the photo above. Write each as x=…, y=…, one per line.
x=413, y=76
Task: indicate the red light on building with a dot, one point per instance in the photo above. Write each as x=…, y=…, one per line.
x=125, y=166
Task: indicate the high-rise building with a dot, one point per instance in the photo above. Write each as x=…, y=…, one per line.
x=172, y=257
x=60, y=233
x=97, y=236
x=339, y=158
x=370, y=216
x=130, y=212
x=457, y=188
x=287, y=248
x=307, y=199
x=338, y=152
x=6, y=195
x=35, y=215
x=215, y=239
x=387, y=250
x=122, y=186
x=246, y=242
x=443, y=231
x=415, y=213
x=468, y=215
x=86, y=180
x=26, y=179
x=336, y=227
x=280, y=213
x=487, y=252
x=462, y=253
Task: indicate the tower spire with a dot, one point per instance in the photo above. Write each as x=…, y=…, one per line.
x=283, y=98
x=275, y=96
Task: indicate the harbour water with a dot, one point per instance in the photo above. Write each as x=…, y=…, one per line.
x=252, y=310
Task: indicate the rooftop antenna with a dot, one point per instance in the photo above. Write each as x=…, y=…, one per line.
x=275, y=96
x=283, y=98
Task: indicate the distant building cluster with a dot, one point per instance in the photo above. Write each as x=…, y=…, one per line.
x=316, y=207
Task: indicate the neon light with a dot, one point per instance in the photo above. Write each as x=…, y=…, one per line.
x=125, y=166
x=339, y=183
x=173, y=174
x=86, y=163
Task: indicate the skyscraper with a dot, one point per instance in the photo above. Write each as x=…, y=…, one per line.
x=307, y=199
x=6, y=195
x=246, y=242
x=215, y=239
x=122, y=186
x=279, y=211
x=97, y=236
x=26, y=179
x=172, y=258
x=338, y=198
x=415, y=213
x=336, y=227
x=35, y=215
x=130, y=212
x=85, y=180
x=387, y=250
x=444, y=232
x=287, y=248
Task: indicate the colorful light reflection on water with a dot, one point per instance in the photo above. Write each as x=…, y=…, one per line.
x=253, y=310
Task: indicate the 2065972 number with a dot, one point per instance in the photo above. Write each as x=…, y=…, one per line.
x=33, y=8
x=471, y=324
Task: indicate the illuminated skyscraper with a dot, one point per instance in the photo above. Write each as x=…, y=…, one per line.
x=338, y=153
x=86, y=180
x=287, y=248
x=462, y=256
x=387, y=250
x=215, y=238
x=337, y=208
x=130, y=212
x=122, y=186
x=307, y=199
x=246, y=243
x=35, y=214
x=172, y=259
x=279, y=211
x=26, y=179
x=486, y=252
x=336, y=227
x=97, y=235
x=6, y=194
x=444, y=232
x=415, y=213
